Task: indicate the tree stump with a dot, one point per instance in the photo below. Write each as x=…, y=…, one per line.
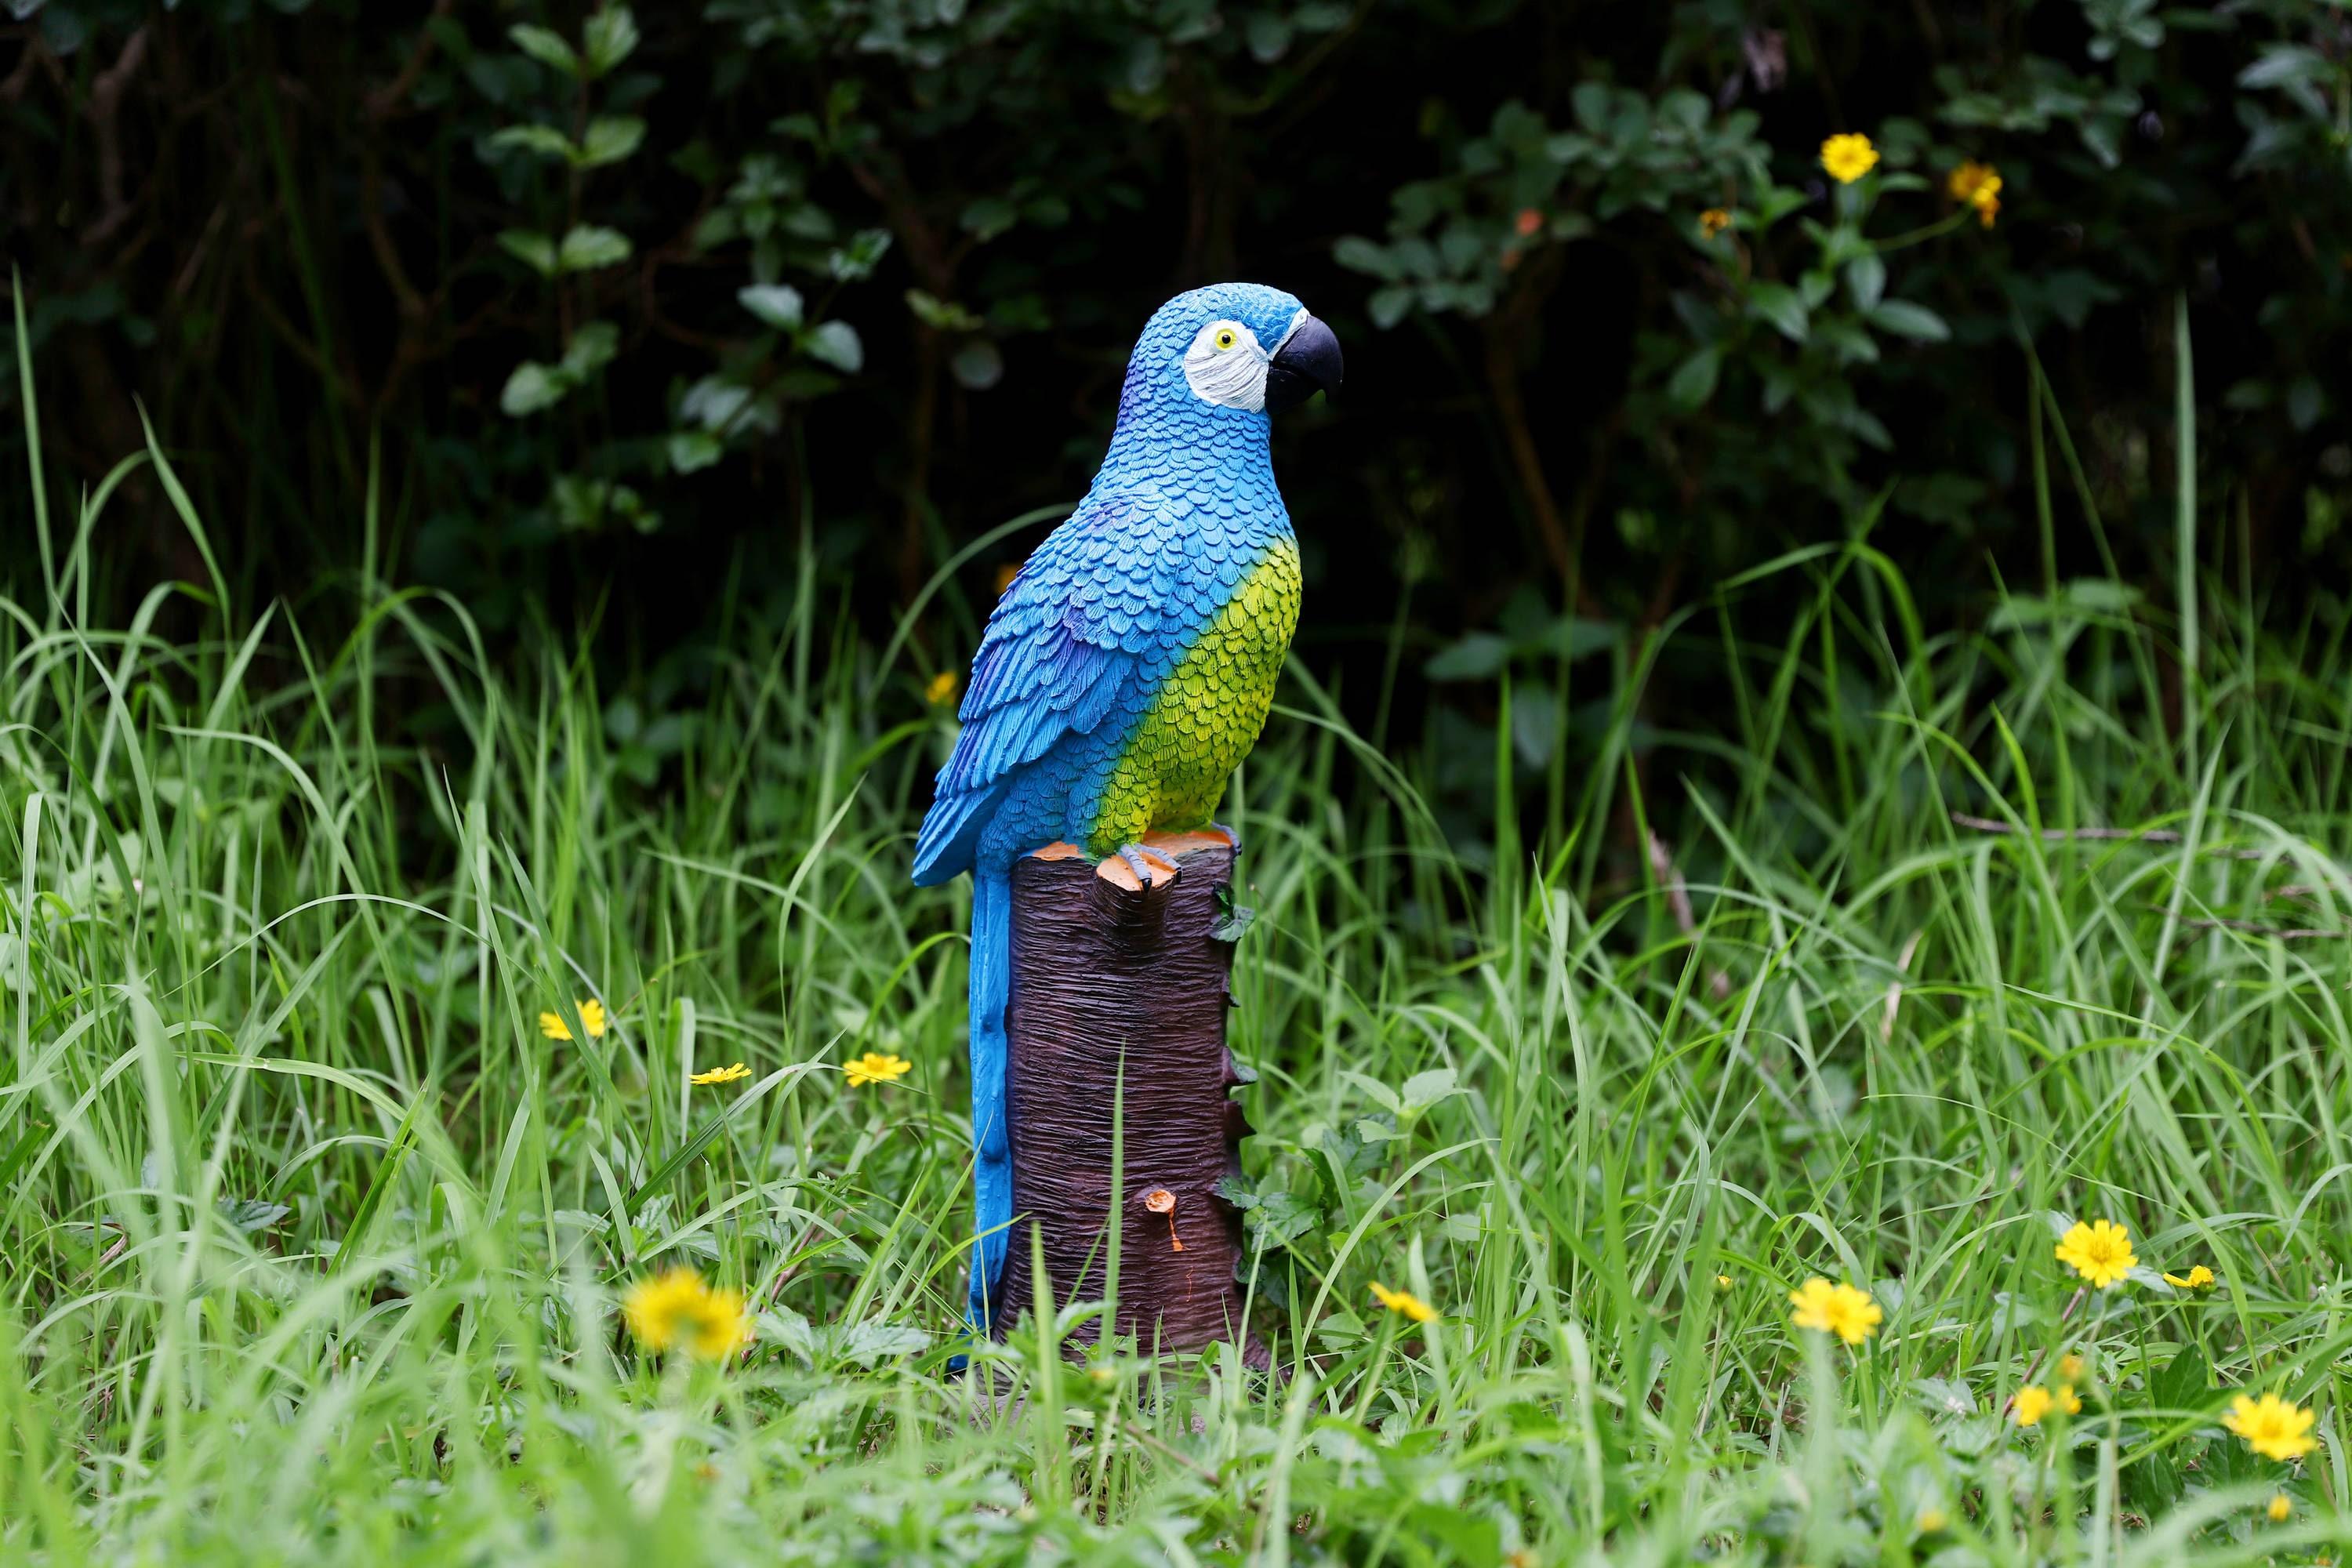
x=1102, y=970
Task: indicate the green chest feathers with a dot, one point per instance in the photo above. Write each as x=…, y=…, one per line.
x=1208, y=715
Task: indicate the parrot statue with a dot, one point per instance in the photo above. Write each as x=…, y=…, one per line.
x=1128, y=668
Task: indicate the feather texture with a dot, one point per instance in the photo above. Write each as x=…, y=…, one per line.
x=1122, y=676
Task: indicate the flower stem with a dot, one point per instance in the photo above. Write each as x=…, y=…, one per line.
x=1924, y=232
x=2074, y=1302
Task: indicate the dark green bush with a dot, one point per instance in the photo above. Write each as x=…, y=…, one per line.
x=614, y=305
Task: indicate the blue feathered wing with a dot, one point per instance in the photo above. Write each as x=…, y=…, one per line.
x=1066, y=650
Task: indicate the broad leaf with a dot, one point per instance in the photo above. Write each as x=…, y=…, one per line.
x=777, y=304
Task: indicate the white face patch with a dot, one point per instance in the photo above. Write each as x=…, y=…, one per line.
x=1226, y=366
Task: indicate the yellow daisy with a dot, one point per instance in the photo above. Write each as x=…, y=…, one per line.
x=1978, y=184
x=2034, y=1402
x=676, y=1308
x=2101, y=1252
x=942, y=688
x=1848, y=157
x=877, y=1067
x=735, y=1073
x=1405, y=1301
x=1839, y=1310
x=2273, y=1427
x=2196, y=1278
x=1713, y=221
x=591, y=1018
x=2280, y=1507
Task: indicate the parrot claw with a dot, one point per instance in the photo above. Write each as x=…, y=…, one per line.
x=1148, y=865
x=1232, y=835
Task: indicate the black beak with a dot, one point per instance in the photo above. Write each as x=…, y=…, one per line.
x=1309, y=359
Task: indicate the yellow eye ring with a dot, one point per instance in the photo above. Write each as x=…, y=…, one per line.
x=1224, y=338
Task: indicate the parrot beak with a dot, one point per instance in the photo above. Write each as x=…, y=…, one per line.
x=1308, y=360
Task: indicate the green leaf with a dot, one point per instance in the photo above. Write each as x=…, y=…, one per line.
x=587, y=248
x=1233, y=919
x=858, y=258
x=1694, y=380
x=548, y=49
x=543, y=140
x=1905, y=319
x=1423, y=1089
x=1866, y=280
x=977, y=365
x=611, y=36
x=690, y=451
x=1779, y=305
x=777, y=304
x=837, y=343
x=1279, y=1217
x=1477, y=657
x=535, y=251
x=1381, y=1093
x=611, y=138
x=989, y=216
x=1268, y=33
x=2184, y=1384
x=591, y=350
x=945, y=315
x=531, y=387
x=868, y=1343
x=249, y=1215
x=1390, y=306
x=1361, y=255
x=2280, y=64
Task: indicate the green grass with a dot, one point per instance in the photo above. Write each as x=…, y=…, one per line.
x=313, y=1242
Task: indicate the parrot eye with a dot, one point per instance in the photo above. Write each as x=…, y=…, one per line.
x=1225, y=365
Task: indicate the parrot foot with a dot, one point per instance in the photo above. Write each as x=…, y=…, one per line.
x=1145, y=865
x=1232, y=835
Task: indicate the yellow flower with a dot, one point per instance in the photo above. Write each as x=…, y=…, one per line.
x=1932, y=1520
x=2070, y=1368
x=2034, y=1402
x=2273, y=1427
x=2196, y=1278
x=1405, y=1301
x=2279, y=1509
x=2101, y=1252
x=592, y=1017
x=1978, y=184
x=1711, y=222
x=1968, y=178
x=875, y=1066
x=942, y=688
x=722, y=1075
x=1839, y=1310
x=1723, y=1281
x=1848, y=157
x=678, y=1308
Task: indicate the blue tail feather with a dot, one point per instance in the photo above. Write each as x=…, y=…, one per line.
x=992, y=979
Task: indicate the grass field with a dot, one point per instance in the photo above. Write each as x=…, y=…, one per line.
x=314, y=1239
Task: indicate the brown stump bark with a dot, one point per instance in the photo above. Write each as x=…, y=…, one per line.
x=1102, y=971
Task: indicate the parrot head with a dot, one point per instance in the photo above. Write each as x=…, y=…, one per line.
x=1230, y=345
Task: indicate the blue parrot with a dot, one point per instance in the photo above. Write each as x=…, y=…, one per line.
x=1128, y=667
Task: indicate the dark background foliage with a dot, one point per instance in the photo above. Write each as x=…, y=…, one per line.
x=594, y=314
